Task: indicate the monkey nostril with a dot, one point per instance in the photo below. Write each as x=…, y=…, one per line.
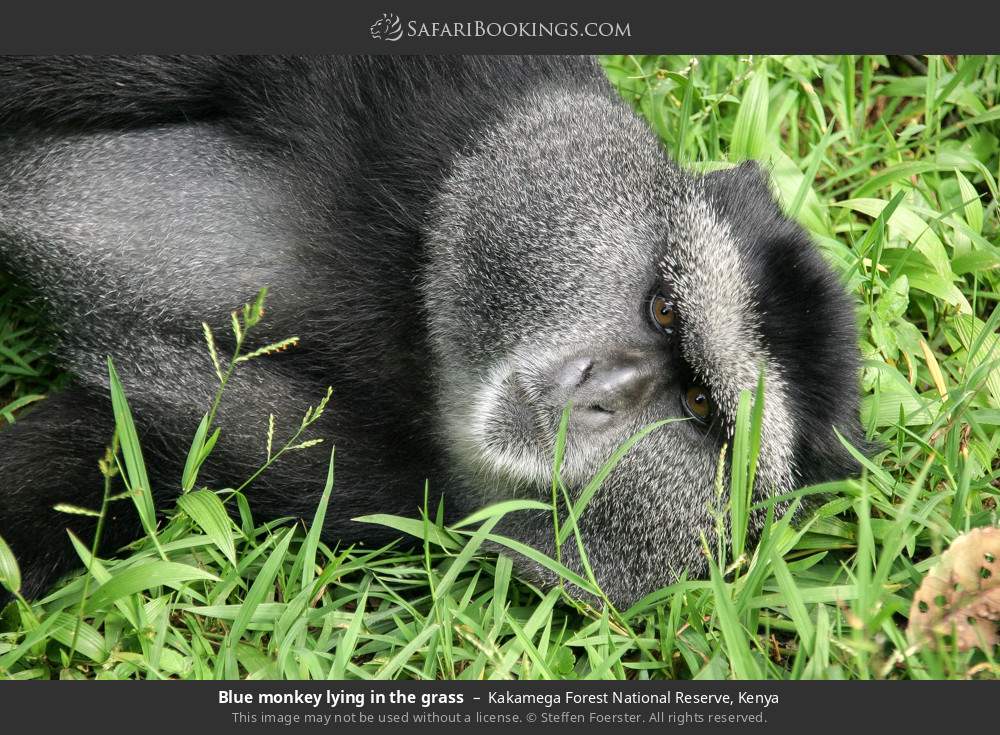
x=621, y=388
x=609, y=386
x=573, y=374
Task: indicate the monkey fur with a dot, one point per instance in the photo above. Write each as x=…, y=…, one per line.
x=464, y=245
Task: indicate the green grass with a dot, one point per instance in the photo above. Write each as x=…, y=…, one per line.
x=26, y=373
x=893, y=169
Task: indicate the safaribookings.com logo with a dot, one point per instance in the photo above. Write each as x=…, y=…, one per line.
x=390, y=28
x=387, y=28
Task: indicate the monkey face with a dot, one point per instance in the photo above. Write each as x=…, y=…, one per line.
x=572, y=263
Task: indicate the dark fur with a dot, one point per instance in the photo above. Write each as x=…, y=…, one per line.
x=802, y=305
x=340, y=159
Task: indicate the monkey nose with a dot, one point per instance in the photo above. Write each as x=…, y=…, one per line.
x=608, y=388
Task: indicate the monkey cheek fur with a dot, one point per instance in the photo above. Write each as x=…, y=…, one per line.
x=659, y=497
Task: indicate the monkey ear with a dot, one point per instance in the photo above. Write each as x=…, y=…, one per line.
x=748, y=174
x=753, y=174
x=747, y=182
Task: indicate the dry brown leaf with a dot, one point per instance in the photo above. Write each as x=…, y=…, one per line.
x=960, y=596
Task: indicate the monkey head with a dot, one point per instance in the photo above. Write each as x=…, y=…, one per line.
x=571, y=262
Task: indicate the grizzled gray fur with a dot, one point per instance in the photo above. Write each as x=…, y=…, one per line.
x=464, y=246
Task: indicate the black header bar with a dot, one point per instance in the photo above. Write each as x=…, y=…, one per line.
x=513, y=26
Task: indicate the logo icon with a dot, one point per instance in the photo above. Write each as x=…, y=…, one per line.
x=387, y=28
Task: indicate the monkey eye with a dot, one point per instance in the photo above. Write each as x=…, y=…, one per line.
x=661, y=310
x=698, y=403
